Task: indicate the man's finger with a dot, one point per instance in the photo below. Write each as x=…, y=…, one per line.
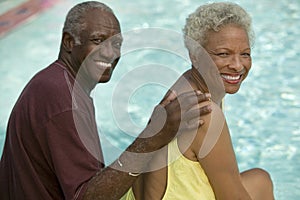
x=191, y=114
x=194, y=125
x=205, y=109
x=196, y=113
x=188, y=100
x=191, y=126
x=170, y=96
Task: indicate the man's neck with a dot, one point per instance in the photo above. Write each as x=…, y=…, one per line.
x=86, y=83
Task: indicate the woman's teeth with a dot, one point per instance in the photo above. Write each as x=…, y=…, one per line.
x=231, y=78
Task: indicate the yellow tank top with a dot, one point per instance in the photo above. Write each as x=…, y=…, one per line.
x=129, y=195
x=186, y=178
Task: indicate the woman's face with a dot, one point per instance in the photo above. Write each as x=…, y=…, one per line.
x=230, y=50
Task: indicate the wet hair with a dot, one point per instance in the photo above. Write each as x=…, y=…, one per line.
x=214, y=16
x=75, y=20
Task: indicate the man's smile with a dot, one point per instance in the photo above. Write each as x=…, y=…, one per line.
x=103, y=65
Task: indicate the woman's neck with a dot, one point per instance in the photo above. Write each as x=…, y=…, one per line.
x=197, y=79
x=200, y=84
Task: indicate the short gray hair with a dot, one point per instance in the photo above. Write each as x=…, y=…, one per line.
x=212, y=17
x=75, y=19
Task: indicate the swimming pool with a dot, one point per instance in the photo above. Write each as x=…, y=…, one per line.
x=263, y=116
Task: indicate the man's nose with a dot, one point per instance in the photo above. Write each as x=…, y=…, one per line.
x=235, y=63
x=107, y=52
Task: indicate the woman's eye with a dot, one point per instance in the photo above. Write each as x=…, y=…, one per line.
x=246, y=55
x=223, y=54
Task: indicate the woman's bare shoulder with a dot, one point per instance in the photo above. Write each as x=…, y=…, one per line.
x=191, y=142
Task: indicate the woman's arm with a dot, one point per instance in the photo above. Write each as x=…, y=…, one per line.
x=219, y=163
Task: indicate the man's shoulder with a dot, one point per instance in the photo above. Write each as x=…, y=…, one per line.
x=46, y=94
x=47, y=86
x=52, y=75
x=53, y=80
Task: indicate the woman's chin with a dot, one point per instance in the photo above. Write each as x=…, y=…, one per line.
x=231, y=90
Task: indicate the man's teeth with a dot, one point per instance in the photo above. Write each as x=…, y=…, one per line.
x=233, y=78
x=104, y=64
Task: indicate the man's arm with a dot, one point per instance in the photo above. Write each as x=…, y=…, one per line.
x=168, y=119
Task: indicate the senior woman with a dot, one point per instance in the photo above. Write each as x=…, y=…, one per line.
x=202, y=165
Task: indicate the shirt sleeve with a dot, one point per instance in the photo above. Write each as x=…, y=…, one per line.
x=73, y=163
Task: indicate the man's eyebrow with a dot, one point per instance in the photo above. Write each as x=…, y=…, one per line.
x=118, y=37
x=97, y=34
x=103, y=34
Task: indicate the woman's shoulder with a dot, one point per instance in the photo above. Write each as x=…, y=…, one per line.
x=190, y=143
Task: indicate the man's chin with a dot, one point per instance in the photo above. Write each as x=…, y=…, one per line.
x=104, y=79
x=106, y=76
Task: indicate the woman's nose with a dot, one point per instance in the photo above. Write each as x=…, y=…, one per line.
x=235, y=63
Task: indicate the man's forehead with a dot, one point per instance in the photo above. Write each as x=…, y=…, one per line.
x=103, y=18
x=104, y=32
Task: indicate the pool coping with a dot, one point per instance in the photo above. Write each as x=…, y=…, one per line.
x=22, y=13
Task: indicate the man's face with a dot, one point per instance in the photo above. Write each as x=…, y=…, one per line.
x=99, y=51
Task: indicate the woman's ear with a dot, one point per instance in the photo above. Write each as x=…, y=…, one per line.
x=68, y=42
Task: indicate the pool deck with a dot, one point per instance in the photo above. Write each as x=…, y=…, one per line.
x=22, y=13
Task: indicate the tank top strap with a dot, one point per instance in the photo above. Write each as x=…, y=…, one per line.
x=173, y=151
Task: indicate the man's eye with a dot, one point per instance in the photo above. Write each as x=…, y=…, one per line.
x=117, y=44
x=97, y=41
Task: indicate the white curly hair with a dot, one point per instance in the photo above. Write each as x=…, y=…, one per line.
x=214, y=16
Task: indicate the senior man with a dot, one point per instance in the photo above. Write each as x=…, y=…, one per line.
x=52, y=148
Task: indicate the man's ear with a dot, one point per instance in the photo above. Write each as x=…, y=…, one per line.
x=68, y=42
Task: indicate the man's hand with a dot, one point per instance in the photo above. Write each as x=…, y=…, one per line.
x=172, y=116
x=175, y=115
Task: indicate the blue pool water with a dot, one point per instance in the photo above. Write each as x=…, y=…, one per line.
x=263, y=116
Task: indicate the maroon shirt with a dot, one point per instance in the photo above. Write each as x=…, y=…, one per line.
x=44, y=155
